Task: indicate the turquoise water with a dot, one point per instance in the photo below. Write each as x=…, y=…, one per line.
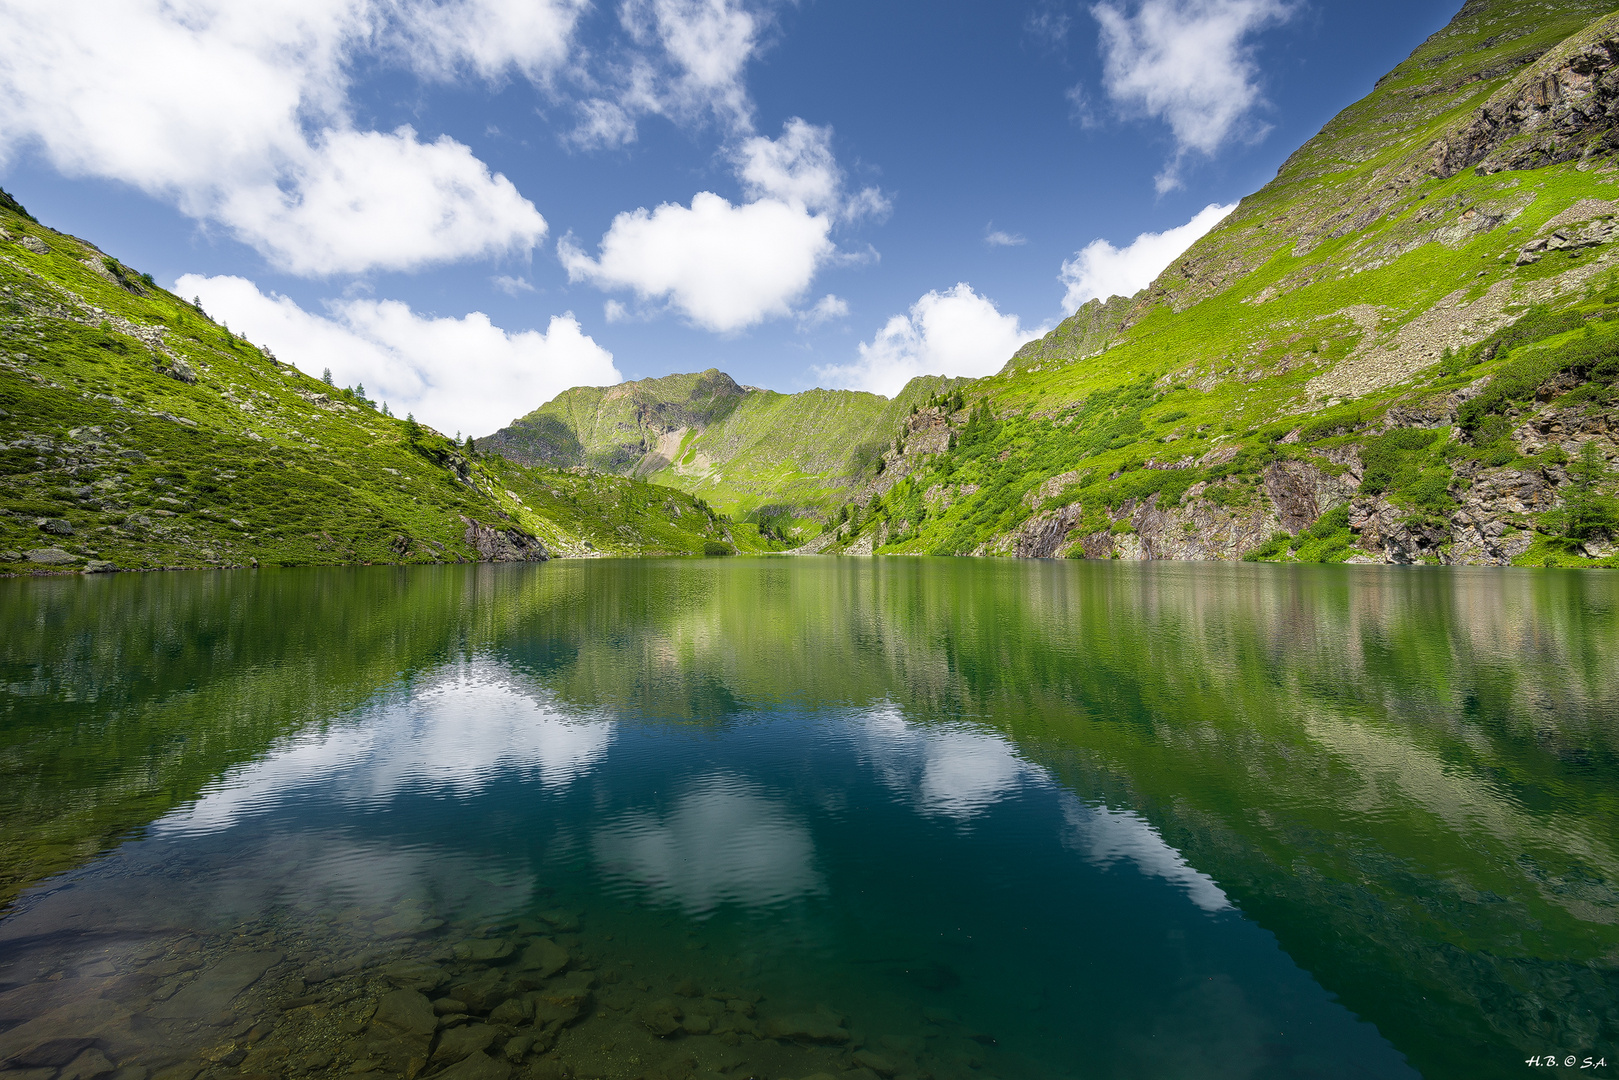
x=783, y=818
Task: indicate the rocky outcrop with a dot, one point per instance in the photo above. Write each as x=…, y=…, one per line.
x=1301, y=492
x=503, y=545
x=1563, y=108
x=1084, y=334
x=1394, y=535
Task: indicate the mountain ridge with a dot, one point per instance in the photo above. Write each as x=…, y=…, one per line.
x=1403, y=348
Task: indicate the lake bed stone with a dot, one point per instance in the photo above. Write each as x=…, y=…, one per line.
x=663, y=1018
x=216, y=986
x=479, y=1066
x=483, y=950
x=807, y=1028
x=415, y=975
x=461, y=1042
x=545, y=957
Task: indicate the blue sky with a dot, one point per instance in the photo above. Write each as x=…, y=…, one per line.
x=469, y=205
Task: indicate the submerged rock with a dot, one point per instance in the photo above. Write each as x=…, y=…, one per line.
x=415, y=975
x=483, y=950
x=462, y=1042
x=662, y=1017
x=214, y=988
x=807, y=1028
x=545, y=957
x=479, y=1066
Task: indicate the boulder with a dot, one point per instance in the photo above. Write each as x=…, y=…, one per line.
x=479, y=1066
x=807, y=1028
x=545, y=957
x=662, y=1017
x=52, y=556
x=407, y=1012
x=462, y=1042
x=483, y=950
x=211, y=991
x=415, y=975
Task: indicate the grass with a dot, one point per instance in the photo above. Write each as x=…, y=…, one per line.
x=140, y=433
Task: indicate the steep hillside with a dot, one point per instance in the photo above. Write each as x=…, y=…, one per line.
x=137, y=433
x=743, y=449
x=1401, y=349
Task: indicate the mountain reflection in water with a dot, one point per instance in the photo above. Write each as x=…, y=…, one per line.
x=780, y=817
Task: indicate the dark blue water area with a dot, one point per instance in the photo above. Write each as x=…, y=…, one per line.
x=913, y=878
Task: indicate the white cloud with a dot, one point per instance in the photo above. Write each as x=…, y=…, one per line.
x=1002, y=238
x=239, y=115
x=824, y=310
x=730, y=266
x=512, y=286
x=725, y=267
x=457, y=374
x=489, y=36
x=956, y=332
x=1189, y=64
x=1100, y=270
x=366, y=199
x=800, y=170
x=702, y=49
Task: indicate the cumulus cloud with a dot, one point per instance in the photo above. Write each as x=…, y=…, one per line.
x=725, y=267
x=1100, y=270
x=239, y=115
x=461, y=374
x=800, y=170
x=827, y=309
x=1188, y=63
x=729, y=266
x=685, y=60
x=956, y=332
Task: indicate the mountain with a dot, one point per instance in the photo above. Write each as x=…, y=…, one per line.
x=1402, y=349
x=745, y=450
x=135, y=432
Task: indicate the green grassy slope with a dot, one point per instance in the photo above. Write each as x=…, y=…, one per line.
x=743, y=449
x=137, y=433
x=1331, y=373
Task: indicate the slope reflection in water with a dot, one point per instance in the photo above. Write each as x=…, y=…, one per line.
x=771, y=818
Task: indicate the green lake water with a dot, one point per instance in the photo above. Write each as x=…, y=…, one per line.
x=789, y=818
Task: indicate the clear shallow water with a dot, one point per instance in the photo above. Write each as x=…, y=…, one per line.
x=781, y=818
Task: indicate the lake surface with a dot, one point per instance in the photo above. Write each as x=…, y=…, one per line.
x=782, y=818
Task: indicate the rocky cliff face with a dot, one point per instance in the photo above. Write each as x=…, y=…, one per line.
x=1563, y=108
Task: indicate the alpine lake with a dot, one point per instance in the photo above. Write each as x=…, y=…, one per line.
x=789, y=818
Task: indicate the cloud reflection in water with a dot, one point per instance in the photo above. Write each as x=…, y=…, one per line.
x=956, y=772
x=1106, y=836
x=456, y=733
x=722, y=843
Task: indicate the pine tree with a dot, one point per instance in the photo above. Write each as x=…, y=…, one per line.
x=326, y=377
x=1590, y=512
